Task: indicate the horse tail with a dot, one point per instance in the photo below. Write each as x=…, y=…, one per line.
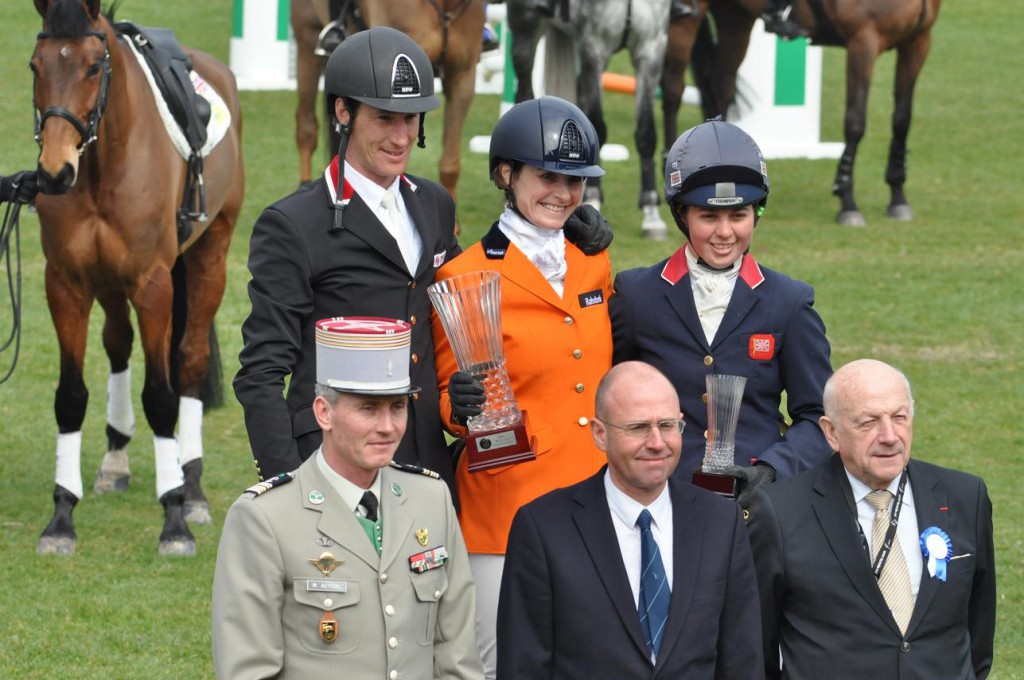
x=705, y=46
x=212, y=394
x=212, y=391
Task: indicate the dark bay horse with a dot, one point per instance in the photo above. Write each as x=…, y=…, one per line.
x=112, y=183
x=601, y=28
x=866, y=28
x=449, y=31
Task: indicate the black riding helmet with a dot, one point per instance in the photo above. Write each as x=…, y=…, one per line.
x=548, y=133
x=384, y=68
x=715, y=165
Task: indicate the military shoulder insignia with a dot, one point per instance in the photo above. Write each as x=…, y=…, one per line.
x=268, y=484
x=415, y=469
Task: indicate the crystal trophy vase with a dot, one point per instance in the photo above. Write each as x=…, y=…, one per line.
x=725, y=395
x=469, y=308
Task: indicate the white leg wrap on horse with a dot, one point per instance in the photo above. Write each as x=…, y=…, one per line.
x=190, y=429
x=69, y=462
x=120, y=414
x=168, y=469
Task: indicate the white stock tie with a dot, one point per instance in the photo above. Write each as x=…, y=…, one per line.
x=391, y=218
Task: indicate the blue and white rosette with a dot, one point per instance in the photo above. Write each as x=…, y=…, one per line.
x=937, y=549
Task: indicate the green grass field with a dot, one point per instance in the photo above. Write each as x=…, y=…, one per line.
x=936, y=296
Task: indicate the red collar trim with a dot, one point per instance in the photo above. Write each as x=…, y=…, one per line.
x=676, y=268
x=331, y=177
x=750, y=272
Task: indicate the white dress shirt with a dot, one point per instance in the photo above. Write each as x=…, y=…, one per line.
x=624, y=511
x=404, y=232
x=350, y=493
x=906, y=531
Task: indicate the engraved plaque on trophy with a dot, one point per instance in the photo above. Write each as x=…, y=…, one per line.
x=469, y=307
x=725, y=394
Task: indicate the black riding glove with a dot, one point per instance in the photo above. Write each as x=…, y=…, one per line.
x=749, y=477
x=21, y=187
x=466, y=393
x=588, y=230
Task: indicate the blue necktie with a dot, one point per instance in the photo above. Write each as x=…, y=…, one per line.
x=655, y=593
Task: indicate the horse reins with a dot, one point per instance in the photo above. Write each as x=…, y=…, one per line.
x=11, y=226
x=89, y=128
x=446, y=18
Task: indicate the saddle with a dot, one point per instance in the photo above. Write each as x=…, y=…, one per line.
x=170, y=66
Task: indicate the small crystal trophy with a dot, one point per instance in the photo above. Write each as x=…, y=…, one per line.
x=469, y=307
x=725, y=394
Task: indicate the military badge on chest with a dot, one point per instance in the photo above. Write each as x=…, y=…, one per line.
x=328, y=627
x=325, y=564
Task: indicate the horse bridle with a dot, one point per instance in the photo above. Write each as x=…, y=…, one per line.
x=88, y=129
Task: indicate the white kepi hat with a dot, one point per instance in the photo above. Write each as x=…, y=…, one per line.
x=364, y=355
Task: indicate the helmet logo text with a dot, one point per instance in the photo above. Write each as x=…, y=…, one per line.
x=731, y=200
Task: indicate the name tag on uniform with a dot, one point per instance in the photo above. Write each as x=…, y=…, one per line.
x=591, y=298
x=428, y=559
x=327, y=586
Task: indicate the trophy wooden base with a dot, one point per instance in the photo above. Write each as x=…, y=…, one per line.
x=497, y=448
x=723, y=485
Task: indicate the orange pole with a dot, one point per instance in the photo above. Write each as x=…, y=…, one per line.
x=616, y=82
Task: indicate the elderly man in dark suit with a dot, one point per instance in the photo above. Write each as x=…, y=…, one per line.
x=873, y=565
x=629, y=574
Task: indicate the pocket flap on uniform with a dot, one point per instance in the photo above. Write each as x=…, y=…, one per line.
x=430, y=585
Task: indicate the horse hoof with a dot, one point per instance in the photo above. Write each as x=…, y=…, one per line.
x=178, y=548
x=108, y=482
x=197, y=512
x=656, y=234
x=903, y=213
x=652, y=220
x=851, y=218
x=55, y=545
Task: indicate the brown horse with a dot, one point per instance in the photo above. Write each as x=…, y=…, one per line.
x=866, y=28
x=449, y=31
x=112, y=182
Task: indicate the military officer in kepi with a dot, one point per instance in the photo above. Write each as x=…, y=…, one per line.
x=352, y=561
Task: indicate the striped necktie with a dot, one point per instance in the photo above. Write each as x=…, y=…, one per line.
x=655, y=593
x=894, y=581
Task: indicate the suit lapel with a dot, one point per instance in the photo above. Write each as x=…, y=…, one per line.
x=397, y=521
x=335, y=522
x=928, y=498
x=687, y=541
x=839, y=528
x=363, y=222
x=420, y=222
x=680, y=297
x=594, y=521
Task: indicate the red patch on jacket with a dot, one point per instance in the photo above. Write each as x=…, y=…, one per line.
x=762, y=347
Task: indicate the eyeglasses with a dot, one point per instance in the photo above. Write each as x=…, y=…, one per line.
x=667, y=428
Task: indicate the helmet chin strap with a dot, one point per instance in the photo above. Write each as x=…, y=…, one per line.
x=339, y=206
x=421, y=140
